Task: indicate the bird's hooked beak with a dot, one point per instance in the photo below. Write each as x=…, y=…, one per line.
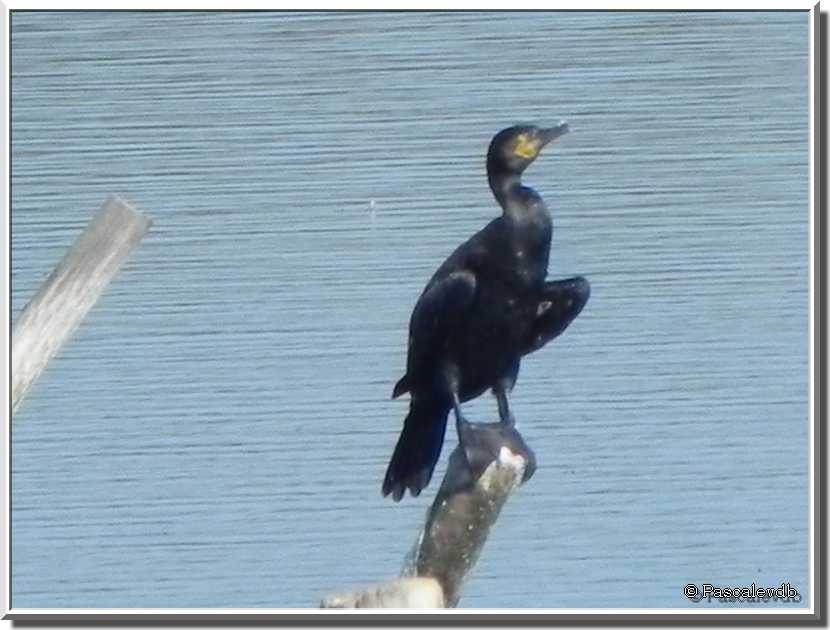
x=528, y=146
x=546, y=136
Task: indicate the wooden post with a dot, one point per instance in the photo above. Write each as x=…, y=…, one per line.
x=71, y=290
x=408, y=592
x=489, y=463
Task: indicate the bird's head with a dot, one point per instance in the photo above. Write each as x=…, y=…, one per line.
x=513, y=149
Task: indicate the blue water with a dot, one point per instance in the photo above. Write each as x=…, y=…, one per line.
x=216, y=433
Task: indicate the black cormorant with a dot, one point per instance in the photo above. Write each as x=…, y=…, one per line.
x=485, y=307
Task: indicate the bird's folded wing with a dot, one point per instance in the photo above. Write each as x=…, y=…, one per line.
x=559, y=303
x=442, y=308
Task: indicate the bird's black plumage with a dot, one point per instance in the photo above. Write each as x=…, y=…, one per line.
x=485, y=307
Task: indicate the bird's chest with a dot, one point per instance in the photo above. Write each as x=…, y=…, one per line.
x=530, y=265
x=524, y=264
x=502, y=314
x=507, y=295
x=505, y=306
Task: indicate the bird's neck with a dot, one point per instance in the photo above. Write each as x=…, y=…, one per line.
x=512, y=197
x=504, y=185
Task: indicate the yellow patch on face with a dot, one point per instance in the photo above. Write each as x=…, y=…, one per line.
x=525, y=147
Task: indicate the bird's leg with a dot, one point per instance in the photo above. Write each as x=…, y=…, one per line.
x=460, y=420
x=452, y=384
x=503, y=385
x=505, y=414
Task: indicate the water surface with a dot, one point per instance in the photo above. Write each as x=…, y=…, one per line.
x=216, y=433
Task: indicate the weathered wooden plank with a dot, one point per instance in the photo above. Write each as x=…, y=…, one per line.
x=71, y=290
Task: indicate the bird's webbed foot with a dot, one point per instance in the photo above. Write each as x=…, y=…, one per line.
x=485, y=443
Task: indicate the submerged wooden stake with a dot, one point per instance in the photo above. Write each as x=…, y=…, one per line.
x=67, y=295
x=489, y=463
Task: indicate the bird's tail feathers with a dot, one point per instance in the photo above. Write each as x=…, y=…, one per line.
x=401, y=387
x=417, y=450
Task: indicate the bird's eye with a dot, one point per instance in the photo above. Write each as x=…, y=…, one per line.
x=525, y=147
